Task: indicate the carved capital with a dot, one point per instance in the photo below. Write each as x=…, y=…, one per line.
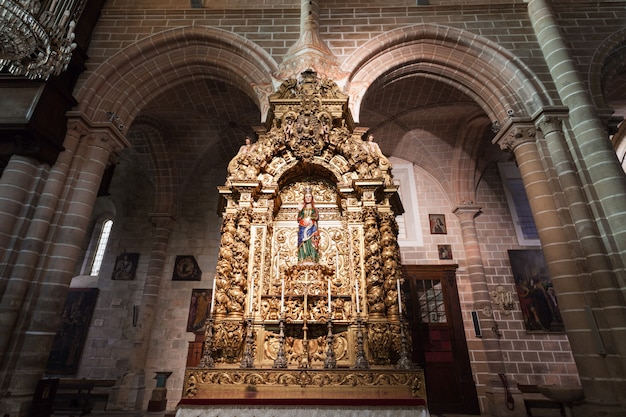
x=467, y=211
x=550, y=124
x=514, y=134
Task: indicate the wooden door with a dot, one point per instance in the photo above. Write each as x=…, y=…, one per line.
x=439, y=345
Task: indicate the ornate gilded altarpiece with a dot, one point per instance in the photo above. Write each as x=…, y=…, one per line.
x=285, y=329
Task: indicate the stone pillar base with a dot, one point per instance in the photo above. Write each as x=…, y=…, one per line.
x=158, y=401
x=129, y=395
x=497, y=400
x=157, y=405
x=596, y=410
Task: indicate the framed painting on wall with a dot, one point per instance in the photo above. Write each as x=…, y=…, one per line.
x=445, y=252
x=125, y=267
x=538, y=301
x=437, y=224
x=186, y=269
x=67, y=347
x=199, y=310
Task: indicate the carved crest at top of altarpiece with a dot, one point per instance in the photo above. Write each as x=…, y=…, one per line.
x=310, y=124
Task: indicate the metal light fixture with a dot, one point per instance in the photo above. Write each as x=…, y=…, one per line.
x=37, y=37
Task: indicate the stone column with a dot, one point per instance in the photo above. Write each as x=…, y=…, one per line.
x=480, y=291
x=596, y=377
x=604, y=294
x=601, y=175
x=129, y=395
x=20, y=185
x=495, y=392
x=57, y=232
x=19, y=276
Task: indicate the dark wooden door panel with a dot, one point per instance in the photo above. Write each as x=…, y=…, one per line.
x=439, y=345
x=442, y=400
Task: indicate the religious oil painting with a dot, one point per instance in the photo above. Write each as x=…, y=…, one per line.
x=186, y=269
x=67, y=347
x=445, y=252
x=199, y=310
x=538, y=300
x=125, y=267
x=437, y=224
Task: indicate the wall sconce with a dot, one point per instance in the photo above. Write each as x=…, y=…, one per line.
x=503, y=298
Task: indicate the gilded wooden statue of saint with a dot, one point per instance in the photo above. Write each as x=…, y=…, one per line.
x=308, y=233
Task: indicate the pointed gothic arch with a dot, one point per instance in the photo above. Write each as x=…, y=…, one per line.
x=127, y=81
x=608, y=60
x=495, y=78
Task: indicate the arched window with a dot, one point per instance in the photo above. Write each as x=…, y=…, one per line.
x=101, y=247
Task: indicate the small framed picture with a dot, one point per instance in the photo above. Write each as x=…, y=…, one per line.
x=186, y=269
x=437, y=224
x=445, y=251
x=125, y=267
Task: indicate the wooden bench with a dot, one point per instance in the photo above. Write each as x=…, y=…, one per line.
x=69, y=396
x=535, y=399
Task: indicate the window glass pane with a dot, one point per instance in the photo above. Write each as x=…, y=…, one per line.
x=522, y=207
x=519, y=207
x=102, y=244
x=430, y=296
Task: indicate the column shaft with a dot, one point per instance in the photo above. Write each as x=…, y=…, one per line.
x=595, y=372
x=602, y=289
x=480, y=290
x=601, y=175
x=31, y=248
x=130, y=394
x=20, y=186
x=69, y=203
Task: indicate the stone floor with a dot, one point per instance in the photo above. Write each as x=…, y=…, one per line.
x=171, y=413
x=100, y=413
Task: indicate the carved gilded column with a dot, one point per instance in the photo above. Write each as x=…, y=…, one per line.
x=519, y=136
x=391, y=263
x=239, y=281
x=224, y=264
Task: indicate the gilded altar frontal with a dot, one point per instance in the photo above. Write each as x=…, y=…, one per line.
x=306, y=298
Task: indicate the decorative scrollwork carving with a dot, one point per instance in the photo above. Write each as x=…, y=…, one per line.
x=228, y=341
x=411, y=381
x=379, y=337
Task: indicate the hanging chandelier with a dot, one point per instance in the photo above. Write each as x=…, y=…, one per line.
x=37, y=37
